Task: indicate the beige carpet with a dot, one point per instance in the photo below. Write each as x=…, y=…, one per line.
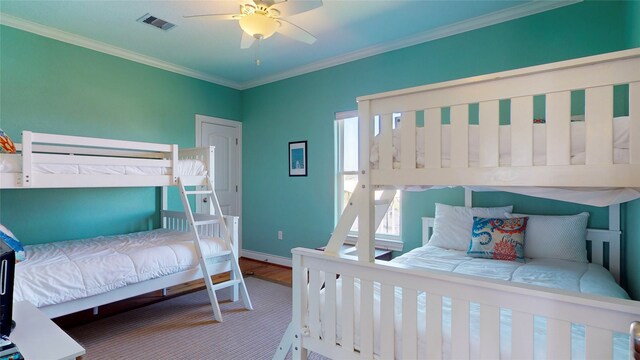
x=183, y=328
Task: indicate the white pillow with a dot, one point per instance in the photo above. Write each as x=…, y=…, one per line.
x=556, y=237
x=452, y=226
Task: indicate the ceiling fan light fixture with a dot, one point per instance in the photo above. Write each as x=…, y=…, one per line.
x=258, y=25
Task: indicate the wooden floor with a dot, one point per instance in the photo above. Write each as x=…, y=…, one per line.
x=266, y=271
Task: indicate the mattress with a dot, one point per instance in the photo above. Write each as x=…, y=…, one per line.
x=12, y=163
x=578, y=154
x=68, y=270
x=560, y=274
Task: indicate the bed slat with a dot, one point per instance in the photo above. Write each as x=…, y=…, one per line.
x=599, y=343
x=434, y=326
x=558, y=339
x=385, y=147
x=489, y=332
x=489, y=133
x=459, y=136
x=408, y=139
x=347, y=312
x=522, y=131
x=387, y=302
x=460, y=328
x=521, y=335
x=409, y=324
x=314, y=303
x=329, y=314
x=634, y=124
x=558, y=127
x=432, y=138
x=599, y=125
x=366, y=318
x=597, y=252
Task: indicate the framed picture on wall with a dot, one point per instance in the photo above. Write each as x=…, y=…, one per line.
x=298, y=158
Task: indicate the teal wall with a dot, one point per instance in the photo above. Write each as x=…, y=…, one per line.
x=302, y=108
x=51, y=86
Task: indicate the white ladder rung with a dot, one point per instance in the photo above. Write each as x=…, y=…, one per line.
x=206, y=222
x=226, y=284
x=382, y=202
x=198, y=192
x=219, y=254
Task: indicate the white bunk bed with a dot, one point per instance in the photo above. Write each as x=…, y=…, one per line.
x=370, y=327
x=195, y=246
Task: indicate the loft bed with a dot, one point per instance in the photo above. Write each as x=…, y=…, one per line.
x=361, y=308
x=70, y=276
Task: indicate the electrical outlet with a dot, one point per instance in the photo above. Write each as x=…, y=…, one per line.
x=279, y=234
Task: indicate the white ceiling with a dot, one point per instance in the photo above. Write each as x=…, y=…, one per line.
x=209, y=49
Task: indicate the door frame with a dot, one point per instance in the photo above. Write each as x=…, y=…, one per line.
x=201, y=119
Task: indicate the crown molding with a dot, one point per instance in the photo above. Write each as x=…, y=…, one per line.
x=513, y=13
x=52, y=33
x=516, y=12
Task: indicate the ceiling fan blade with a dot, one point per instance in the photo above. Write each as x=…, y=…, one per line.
x=215, y=16
x=295, y=32
x=247, y=2
x=292, y=7
x=246, y=41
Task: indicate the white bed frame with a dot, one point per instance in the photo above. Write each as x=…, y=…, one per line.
x=601, y=316
x=175, y=221
x=41, y=148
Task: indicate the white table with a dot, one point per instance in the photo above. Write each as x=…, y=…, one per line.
x=39, y=338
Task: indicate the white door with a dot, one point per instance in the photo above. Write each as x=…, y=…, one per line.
x=225, y=135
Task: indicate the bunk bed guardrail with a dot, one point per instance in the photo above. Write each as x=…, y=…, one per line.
x=596, y=76
x=40, y=148
x=365, y=295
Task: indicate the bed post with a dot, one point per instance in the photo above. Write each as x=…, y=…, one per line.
x=300, y=280
x=468, y=197
x=27, y=148
x=614, y=246
x=366, y=219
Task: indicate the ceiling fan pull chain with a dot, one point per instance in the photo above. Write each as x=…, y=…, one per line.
x=258, y=52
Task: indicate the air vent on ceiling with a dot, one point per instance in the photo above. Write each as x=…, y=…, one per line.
x=154, y=21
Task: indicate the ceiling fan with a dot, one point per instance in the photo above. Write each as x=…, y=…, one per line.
x=260, y=19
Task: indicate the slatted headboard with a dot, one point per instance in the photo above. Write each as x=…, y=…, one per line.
x=598, y=241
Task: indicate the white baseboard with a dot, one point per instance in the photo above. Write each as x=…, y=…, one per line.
x=274, y=259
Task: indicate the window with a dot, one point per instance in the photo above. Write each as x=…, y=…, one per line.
x=388, y=233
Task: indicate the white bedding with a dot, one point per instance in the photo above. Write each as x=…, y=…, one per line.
x=12, y=163
x=561, y=274
x=620, y=145
x=62, y=271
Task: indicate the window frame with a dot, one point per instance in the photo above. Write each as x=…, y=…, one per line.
x=384, y=241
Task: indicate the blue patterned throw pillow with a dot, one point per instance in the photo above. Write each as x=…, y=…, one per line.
x=10, y=239
x=499, y=239
x=6, y=144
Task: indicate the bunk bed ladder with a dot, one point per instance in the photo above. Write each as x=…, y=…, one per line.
x=350, y=214
x=236, y=277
